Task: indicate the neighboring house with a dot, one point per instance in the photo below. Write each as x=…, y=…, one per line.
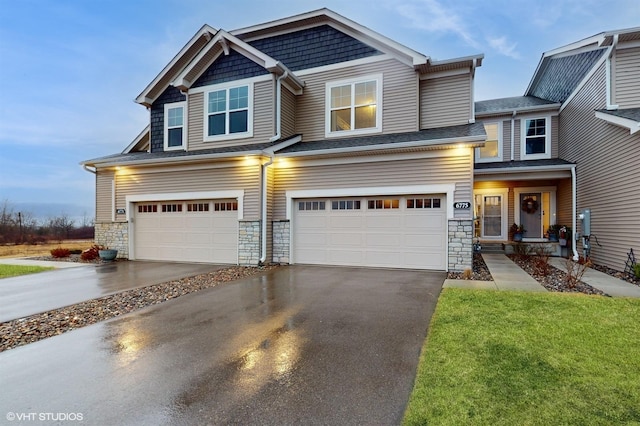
x=580, y=150
x=309, y=139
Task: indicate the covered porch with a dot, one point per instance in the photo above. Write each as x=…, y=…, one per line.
x=533, y=195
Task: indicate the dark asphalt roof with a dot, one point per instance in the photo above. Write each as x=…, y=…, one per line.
x=510, y=104
x=628, y=113
x=557, y=78
x=429, y=135
x=523, y=163
x=135, y=157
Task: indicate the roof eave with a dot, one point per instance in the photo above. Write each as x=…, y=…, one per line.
x=532, y=108
x=632, y=125
x=524, y=169
x=469, y=141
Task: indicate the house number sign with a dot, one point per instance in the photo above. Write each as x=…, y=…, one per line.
x=465, y=205
x=120, y=211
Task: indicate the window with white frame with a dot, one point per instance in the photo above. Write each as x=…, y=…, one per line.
x=536, y=138
x=174, y=129
x=354, y=106
x=492, y=149
x=228, y=112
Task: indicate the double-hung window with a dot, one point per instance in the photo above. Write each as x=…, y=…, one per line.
x=354, y=106
x=174, y=125
x=228, y=112
x=536, y=138
x=492, y=149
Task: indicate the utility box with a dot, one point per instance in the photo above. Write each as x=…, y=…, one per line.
x=585, y=222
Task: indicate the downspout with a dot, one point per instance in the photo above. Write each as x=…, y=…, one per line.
x=263, y=248
x=575, y=212
x=513, y=134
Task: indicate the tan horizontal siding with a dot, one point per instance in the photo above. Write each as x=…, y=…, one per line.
x=104, y=193
x=516, y=139
x=608, y=173
x=554, y=137
x=627, y=78
x=288, y=113
x=131, y=182
x=445, y=101
x=263, y=119
x=400, y=103
x=427, y=171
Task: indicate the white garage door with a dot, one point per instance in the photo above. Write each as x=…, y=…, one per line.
x=187, y=231
x=393, y=231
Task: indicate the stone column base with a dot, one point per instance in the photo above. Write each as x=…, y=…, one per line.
x=460, y=256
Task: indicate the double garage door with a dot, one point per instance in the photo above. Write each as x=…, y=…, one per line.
x=187, y=231
x=393, y=231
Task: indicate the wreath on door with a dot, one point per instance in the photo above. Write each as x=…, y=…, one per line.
x=530, y=205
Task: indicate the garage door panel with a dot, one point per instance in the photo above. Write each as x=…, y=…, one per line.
x=394, y=237
x=201, y=235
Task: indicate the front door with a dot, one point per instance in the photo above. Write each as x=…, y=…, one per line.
x=490, y=215
x=531, y=214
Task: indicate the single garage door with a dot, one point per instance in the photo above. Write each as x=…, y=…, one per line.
x=187, y=231
x=392, y=231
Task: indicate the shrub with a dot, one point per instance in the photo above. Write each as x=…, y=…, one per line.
x=575, y=271
x=60, y=252
x=541, y=259
x=636, y=270
x=76, y=251
x=90, y=253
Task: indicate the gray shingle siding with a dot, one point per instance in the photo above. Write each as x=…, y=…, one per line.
x=170, y=95
x=229, y=67
x=314, y=47
x=557, y=78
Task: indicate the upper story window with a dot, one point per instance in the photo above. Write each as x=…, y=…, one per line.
x=354, y=106
x=536, y=138
x=492, y=149
x=174, y=128
x=228, y=112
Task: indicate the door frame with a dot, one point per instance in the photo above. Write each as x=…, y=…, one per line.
x=550, y=210
x=504, y=193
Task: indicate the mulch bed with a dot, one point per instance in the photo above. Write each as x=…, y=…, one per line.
x=618, y=274
x=480, y=271
x=553, y=279
x=31, y=329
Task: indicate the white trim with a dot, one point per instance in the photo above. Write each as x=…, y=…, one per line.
x=234, y=83
x=627, y=123
x=504, y=222
x=520, y=111
x=146, y=131
x=630, y=44
x=250, y=107
x=552, y=190
x=610, y=74
x=176, y=196
x=352, y=82
x=113, y=198
x=167, y=107
x=523, y=139
x=500, y=126
x=342, y=65
x=142, y=97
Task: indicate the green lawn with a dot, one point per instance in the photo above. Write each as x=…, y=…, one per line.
x=512, y=358
x=15, y=270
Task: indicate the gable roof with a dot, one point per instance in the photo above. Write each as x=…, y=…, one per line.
x=516, y=103
x=220, y=44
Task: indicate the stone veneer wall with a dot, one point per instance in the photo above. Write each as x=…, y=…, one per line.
x=460, y=244
x=281, y=239
x=249, y=242
x=114, y=235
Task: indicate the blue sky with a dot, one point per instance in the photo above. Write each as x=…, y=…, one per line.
x=70, y=69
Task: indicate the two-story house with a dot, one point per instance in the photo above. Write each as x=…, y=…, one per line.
x=571, y=143
x=311, y=139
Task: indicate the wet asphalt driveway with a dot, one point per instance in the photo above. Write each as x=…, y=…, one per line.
x=297, y=345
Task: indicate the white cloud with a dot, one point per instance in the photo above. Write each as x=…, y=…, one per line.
x=504, y=47
x=432, y=16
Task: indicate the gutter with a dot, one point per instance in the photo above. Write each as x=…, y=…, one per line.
x=84, y=166
x=609, y=76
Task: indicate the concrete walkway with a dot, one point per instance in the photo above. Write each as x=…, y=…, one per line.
x=509, y=276
x=611, y=285
x=506, y=276
x=25, y=261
